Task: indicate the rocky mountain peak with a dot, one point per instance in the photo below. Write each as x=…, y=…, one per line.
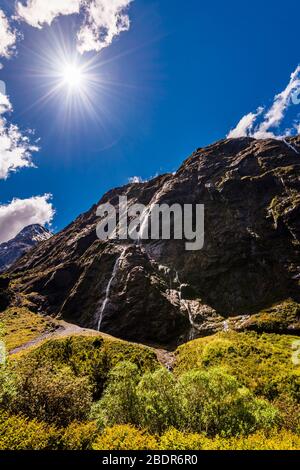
x=246, y=276
x=24, y=241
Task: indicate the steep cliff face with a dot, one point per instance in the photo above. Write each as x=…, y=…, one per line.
x=29, y=237
x=247, y=275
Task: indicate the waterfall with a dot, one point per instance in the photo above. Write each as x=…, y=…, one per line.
x=145, y=217
x=145, y=221
x=169, y=272
x=108, y=289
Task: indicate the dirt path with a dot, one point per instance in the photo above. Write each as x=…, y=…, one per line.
x=64, y=329
x=166, y=358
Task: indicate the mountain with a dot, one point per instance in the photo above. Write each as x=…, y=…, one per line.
x=247, y=276
x=29, y=237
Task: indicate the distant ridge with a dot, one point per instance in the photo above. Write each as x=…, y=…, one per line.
x=28, y=238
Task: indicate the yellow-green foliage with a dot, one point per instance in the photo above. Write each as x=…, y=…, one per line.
x=22, y=326
x=18, y=433
x=125, y=437
x=79, y=436
x=283, y=440
x=55, y=396
x=176, y=440
x=263, y=363
x=276, y=318
x=86, y=356
x=200, y=401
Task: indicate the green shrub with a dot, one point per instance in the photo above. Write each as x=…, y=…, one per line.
x=289, y=409
x=87, y=356
x=173, y=439
x=19, y=433
x=210, y=402
x=213, y=402
x=53, y=395
x=79, y=436
x=158, y=401
x=7, y=377
x=262, y=363
x=125, y=437
x=119, y=402
x=283, y=440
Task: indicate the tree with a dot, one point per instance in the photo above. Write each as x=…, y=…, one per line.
x=158, y=401
x=119, y=402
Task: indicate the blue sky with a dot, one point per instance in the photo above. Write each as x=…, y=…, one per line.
x=180, y=78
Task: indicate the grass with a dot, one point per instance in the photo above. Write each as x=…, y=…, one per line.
x=22, y=326
x=263, y=363
x=277, y=318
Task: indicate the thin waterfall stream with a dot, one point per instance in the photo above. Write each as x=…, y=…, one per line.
x=108, y=289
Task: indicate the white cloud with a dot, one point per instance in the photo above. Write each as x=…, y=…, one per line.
x=297, y=127
x=272, y=118
x=21, y=213
x=135, y=180
x=103, y=20
x=37, y=13
x=8, y=37
x=15, y=148
x=245, y=125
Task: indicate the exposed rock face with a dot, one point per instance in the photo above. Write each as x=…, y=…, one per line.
x=158, y=292
x=28, y=238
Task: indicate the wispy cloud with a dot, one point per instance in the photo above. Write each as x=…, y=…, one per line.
x=23, y=212
x=105, y=19
x=38, y=13
x=246, y=124
x=272, y=118
x=102, y=20
x=8, y=37
x=15, y=147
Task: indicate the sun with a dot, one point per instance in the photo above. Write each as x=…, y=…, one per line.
x=73, y=77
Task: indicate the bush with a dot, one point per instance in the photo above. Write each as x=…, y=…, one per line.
x=119, y=402
x=87, y=356
x=289, y=410
x=18, y=433
x=125, y=437
x=54, y=396
x=79, y=436
x=176, y=440
x=213, y=402
x=7, y=386
x=262, y=363
x=7, y=378
x=159, y=405
x=283, y=440
x=210, y=402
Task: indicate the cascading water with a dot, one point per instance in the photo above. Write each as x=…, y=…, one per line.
x=145, y=217
x=100, y=315
x=168, y=272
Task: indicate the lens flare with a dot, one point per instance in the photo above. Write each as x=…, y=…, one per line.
x=73, y=76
